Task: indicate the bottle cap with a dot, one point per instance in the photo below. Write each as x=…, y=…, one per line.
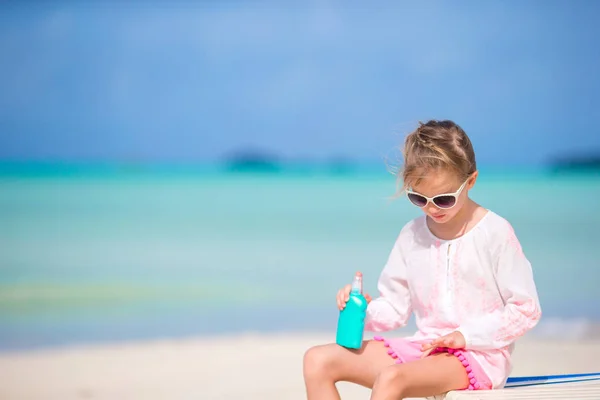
x=357, y=283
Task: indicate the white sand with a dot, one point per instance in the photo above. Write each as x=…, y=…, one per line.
x=245, y=367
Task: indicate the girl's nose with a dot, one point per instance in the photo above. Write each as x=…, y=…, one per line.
x=431, y=208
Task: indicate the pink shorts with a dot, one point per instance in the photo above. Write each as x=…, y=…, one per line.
x=404, y=351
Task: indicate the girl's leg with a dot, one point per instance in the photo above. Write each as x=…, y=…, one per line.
x=327, y=364
x=426, y=377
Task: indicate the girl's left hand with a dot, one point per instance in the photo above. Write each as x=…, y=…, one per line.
x=454, y=340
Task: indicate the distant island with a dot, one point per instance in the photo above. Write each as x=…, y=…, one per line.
x=252, y=161
x=577, y=163
x=257, y=161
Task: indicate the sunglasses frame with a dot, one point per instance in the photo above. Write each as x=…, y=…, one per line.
x=431, y=199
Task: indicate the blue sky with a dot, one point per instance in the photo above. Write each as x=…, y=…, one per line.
x=187, y=83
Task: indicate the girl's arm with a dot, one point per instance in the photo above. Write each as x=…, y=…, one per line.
x=392, y=308
x=521, y=311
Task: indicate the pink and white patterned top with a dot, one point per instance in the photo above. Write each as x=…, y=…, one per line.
x=480, y=284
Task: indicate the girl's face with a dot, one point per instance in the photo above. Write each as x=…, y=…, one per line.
x=441, y=209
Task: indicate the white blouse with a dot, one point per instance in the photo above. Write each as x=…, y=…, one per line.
x=480, y=284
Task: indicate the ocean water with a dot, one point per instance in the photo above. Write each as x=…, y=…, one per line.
x=120, y=255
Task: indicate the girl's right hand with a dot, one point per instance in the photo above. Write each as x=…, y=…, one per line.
x=343, y=296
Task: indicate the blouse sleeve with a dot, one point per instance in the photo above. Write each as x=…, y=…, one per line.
x=521, y=311
x=392, y=308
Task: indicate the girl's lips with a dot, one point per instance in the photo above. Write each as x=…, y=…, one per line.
x=440, y=216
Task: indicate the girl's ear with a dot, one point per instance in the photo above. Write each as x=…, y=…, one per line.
x=472, y=179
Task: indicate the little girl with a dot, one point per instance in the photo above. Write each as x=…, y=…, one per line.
x=460, y=269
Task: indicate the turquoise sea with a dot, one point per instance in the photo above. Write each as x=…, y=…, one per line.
x=90, y=255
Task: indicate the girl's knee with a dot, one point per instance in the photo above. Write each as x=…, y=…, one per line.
x=391, y=380
x=318, y=361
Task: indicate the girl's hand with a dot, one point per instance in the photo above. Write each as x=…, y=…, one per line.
x=344, y=294
x=454, y=340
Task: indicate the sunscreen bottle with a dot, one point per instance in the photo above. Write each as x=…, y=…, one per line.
x=351, y=322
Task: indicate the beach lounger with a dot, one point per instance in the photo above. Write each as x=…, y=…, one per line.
x=575, y=386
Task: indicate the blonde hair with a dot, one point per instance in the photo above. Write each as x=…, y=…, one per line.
x=433, y=145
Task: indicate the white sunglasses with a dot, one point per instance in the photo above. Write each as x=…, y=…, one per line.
x=444, y=201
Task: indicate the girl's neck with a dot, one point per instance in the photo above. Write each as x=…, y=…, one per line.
x=459, y=225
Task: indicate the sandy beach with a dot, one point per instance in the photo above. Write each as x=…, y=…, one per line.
x=220, y=368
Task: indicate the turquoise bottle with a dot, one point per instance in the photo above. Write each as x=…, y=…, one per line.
x=351, y=322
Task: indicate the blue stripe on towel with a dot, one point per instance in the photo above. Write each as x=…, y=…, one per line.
x=521, y=381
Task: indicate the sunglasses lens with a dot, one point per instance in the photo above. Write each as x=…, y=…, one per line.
x=444, y=201
x=417, y=200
